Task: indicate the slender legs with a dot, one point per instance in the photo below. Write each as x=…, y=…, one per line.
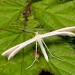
x=36, y=58
x=50, y=51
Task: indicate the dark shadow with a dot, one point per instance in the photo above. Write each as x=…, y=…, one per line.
x=70, y=41
x=45, y=73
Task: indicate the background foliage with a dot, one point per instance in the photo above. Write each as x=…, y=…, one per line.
x=19, y=19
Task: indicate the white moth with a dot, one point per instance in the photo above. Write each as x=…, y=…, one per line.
x=39, y=39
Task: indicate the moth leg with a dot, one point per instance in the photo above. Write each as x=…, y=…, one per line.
x=36, y=58
x=50, y=52
x=31, y=64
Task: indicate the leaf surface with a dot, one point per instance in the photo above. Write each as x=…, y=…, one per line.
x=46, y=15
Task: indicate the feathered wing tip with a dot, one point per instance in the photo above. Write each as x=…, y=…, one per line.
x=58, y=33
x=14, y=50
x=69, y=29
x=9, y=51
x=63, y=32
x=22, y=45
x=66, y=34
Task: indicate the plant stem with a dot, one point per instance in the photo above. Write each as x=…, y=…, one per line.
x=26, y=13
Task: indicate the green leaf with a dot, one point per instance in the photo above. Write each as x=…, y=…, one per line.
x=10, y=11
x=55, y=16
x=46, y=15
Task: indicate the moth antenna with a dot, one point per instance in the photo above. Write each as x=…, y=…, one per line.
x=50, y=51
